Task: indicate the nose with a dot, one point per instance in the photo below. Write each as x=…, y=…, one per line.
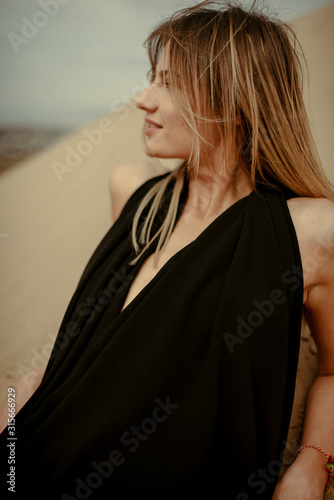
x=146, y=101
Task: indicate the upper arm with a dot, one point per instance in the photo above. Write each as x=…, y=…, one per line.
x=319, y=316
x=318, y=266
x=27, y=385
x=125, y=179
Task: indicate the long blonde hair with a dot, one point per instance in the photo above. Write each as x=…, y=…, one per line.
x=239, y=73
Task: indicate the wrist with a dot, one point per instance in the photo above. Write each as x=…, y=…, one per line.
x=312, y=465
x=300, y=483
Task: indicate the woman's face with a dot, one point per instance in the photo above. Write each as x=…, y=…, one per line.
x=167, y=135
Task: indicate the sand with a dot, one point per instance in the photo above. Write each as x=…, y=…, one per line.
x=55, y=208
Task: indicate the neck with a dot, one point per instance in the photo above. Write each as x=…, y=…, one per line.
x=211, y=193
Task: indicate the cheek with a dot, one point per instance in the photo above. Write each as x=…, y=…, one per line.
x=173, y=119
x=176, y=127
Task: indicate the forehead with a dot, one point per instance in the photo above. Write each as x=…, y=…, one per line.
x=163, y=61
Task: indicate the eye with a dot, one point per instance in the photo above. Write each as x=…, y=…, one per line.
x=150, y=76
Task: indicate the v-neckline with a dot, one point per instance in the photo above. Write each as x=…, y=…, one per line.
x=137, y=299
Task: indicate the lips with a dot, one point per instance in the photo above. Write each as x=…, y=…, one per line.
x=152, y=127
x=152, y=124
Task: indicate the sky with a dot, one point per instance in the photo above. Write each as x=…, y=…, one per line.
x=67, y=62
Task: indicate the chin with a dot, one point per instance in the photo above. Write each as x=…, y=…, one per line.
x=160, y=154
x=155, y=154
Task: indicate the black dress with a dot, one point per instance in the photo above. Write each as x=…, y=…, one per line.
x=189, y=389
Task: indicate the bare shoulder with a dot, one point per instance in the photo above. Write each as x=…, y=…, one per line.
x=313, y=219
x=312, y=216
x=126, y=178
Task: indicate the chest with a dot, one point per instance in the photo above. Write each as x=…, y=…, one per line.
x=184, y=233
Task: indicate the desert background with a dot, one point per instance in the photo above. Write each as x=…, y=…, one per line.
x=55, y=208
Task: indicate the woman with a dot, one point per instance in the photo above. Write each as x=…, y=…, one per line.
x=175, y=365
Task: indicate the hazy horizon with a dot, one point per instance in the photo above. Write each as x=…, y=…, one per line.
x=64, y=64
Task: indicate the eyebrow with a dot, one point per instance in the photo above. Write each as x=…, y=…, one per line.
x=163, y=74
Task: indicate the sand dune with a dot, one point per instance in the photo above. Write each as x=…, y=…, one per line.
x=55, y=208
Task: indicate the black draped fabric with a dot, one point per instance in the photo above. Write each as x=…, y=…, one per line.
x=189, y=389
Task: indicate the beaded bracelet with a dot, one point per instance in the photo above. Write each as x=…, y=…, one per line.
x=329, y=465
